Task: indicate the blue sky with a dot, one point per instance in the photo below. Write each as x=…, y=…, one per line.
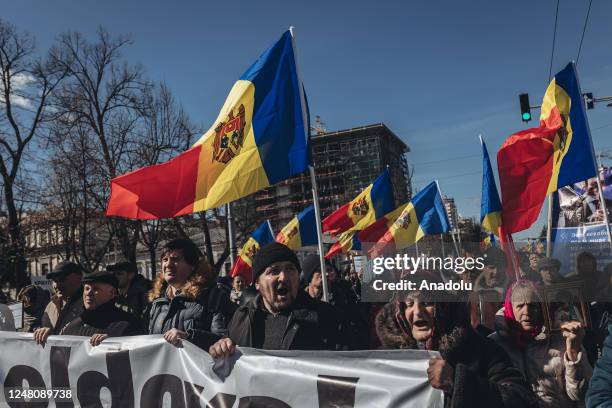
x=438, y=73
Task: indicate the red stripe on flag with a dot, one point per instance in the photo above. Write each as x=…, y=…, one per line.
x=162, y=191
x=525, y=164
x=335, y=249
x=374, y=232
x=338, y=221
x=242, y=268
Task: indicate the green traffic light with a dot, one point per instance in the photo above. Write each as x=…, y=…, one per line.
x=526, y=116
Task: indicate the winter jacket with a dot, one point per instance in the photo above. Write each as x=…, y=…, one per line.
x=203, y=317
x=135, y=300
x=484, y=375
x=600, y=389
x=312, y=325
x=71, y=309
x=105, y=319
x=556, y=381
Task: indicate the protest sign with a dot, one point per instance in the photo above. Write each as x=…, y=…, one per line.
x=146, y=371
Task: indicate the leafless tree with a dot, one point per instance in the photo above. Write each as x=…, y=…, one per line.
x=26, y=83
x=105, y=96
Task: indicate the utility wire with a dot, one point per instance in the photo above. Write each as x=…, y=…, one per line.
x=552, y=53
x=586, y=20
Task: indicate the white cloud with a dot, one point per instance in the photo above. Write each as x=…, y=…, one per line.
x=19, y=86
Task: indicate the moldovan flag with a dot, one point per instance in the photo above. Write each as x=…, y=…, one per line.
x=244, y=262
x=424, y=215
x=371, y=204
x=300, y=231
x=490, y=206
x=538, y=161
x=257, y=140
x=347, y=241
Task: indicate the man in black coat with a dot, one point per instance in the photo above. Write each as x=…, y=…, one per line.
x=68, y=286
x=101, y=318
x=281, y=317
x=133, y=288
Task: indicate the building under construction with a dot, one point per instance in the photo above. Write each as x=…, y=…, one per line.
x=345, y=162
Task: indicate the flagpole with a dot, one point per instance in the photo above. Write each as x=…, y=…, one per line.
x=549, y=229
x=230, y=233
x=455, y=244
x=442, y=242
x=604, y=206
x=313, y=180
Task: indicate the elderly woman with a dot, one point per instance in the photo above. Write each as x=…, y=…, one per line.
x=473, y=370
x=186, y=303
x=555, y=364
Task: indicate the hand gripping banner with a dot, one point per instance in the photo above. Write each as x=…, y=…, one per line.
x=146, y=371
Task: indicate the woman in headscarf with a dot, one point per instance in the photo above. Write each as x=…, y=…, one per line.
x=554, y=363
x=473, y=370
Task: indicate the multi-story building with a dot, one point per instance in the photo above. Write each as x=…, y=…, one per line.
x=451, y=212
x=345, y=162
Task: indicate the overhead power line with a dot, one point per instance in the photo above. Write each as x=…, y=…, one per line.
x=586, y=21
x=552, y=52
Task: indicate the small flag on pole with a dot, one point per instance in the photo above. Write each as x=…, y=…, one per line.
x=244, y=262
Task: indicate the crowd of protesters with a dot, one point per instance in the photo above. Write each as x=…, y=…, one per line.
x=500, y=345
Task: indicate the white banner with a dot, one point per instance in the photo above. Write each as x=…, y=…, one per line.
x=147, y=372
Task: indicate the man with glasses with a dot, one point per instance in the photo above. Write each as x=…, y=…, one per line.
x=67, y=282
x=280, y=317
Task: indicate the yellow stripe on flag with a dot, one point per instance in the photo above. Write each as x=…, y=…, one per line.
x=556, y=97
x=291, y=234
x=406, y=229
x=361, y=210
x=230, y=166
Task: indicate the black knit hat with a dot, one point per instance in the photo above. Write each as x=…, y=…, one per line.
x=312, y=264
x=270, y=253
x=101, y=277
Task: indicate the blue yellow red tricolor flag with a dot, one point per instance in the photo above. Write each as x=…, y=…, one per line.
x=490, y=205
x=243, y=266
x=347, y=241
x=538, y=161
x=373, y=202
x=300, y=231
x=424, y=215
x=258, y=139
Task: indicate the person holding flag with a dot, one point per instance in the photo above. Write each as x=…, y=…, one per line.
x=243, y=264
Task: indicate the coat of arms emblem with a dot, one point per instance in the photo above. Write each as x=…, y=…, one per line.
x=361, y=207
x=290, y=234
x=403, y=221
x=229, y=136
x=251, y=251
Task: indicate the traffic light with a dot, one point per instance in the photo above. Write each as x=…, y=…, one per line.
x=589, y=101
x=525, y=109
